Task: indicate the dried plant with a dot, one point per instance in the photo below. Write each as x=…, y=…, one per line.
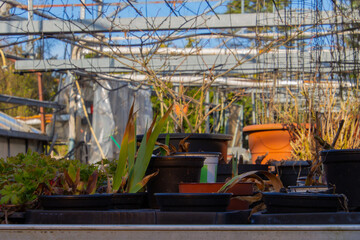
x=322, y=119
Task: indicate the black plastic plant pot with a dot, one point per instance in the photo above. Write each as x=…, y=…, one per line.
x=129, y=200
x=342, y=169
x=243, y=168
x=290, y=171
x=199, y=142
x=224, y=172
x=172, y=171
x=76, y=202
x=193, y=202
x=303, y=202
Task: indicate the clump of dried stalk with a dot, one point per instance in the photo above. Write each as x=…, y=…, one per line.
x=323, y=121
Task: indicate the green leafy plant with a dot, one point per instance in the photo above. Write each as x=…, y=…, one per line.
x=22, y=176
x=74, y=181
x=26, y=176
x=132, y=164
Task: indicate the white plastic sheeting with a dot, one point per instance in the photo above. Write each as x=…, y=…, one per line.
x=111, y=106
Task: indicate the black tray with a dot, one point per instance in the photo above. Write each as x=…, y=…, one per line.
x=303, y=202
x=307, y=218
x=138, y=216
x=193, y=202
x=129, y=200
x=76, y=202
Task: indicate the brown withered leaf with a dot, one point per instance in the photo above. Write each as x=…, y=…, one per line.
x=148, y=134
x=91, y=185
x=173, y=148
x=108, y=187
x=123, y=182
x=259, y=182
x=183, y=145
x=164, y=147
x=250, y=199
x=145, y=180
x=274, y=180
x=232, y=182
x=257, y=208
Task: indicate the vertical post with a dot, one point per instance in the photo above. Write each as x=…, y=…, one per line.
x=274, y=96
x=30, y=44
x=253, y=107
x=82, y=10
x=241, y=115
x=238, y=124
x=41, y=98
x=222, y=115
x=100, y=8
x=217, y=113
x=242, y=6
x=207, y=107
x=72, y=110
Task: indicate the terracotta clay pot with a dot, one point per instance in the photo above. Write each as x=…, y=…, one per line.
x=273, y=139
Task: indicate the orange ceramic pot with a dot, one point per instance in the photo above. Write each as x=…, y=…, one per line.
x=273, y=139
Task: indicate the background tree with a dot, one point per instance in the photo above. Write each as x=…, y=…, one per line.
x=24, y=85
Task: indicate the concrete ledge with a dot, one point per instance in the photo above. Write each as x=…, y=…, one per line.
x=179, y=232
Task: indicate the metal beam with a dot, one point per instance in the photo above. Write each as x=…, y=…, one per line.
x=223, y=21
x=27, y=135
x=193, y=64
x=29, y=102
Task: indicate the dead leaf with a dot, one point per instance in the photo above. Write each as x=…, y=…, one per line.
x=164, y=147
x=145, y=180
x=274, y=180
x=257, y=208
x=250, y=199
x=183, y=145
x=91, y=185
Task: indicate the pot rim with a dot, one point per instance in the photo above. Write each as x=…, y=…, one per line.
x=82, y=196
x=186, y=195
x=269, y=127
x=194, y=136
x=177, y=161
x=194, y=154
x=339, y=151
x=265, y=127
